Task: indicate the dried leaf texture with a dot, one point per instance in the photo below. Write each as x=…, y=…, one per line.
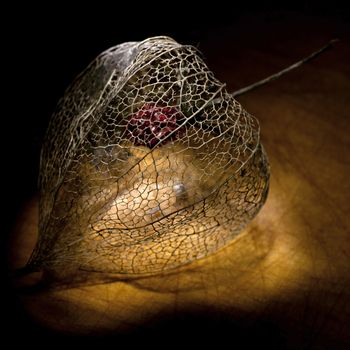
x=148, y=164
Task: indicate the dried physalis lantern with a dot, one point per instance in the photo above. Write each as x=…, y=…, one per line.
x=148, y=164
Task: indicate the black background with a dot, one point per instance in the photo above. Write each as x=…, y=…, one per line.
x=44, y=47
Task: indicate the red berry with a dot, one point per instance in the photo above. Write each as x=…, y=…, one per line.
x=152, y=125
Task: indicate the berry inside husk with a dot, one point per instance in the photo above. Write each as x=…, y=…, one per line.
x=154, y=125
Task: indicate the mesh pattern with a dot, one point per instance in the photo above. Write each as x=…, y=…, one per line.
x=148, y=164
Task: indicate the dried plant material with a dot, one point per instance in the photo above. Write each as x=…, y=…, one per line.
x=148, y=164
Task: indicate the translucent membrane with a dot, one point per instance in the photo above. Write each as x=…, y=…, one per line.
x=148, y=164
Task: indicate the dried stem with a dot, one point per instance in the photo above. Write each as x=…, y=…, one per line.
x=284, y=71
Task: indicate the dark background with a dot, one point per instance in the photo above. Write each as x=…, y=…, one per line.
x=45, y=47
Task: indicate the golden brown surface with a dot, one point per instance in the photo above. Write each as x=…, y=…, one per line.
x=289, y=270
